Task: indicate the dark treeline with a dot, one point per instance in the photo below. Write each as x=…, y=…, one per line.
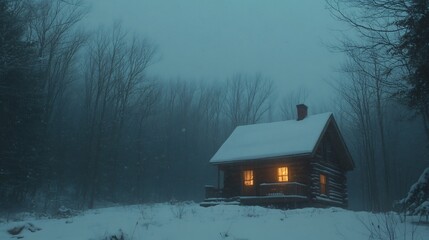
x=82, y=122
x=387, y=64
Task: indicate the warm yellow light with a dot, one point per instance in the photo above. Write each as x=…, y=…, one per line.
x=283, y=174
x=248, y=178
x=322, y=179
x=322, y=184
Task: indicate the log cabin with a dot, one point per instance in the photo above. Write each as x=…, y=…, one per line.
x=289, y=164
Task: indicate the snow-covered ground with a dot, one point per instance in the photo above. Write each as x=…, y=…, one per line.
x=190, y=221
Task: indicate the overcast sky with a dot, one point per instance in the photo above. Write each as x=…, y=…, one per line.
x=285, y=40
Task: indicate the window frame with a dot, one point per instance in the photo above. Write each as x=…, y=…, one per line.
x=283, y=176
x=248, y=178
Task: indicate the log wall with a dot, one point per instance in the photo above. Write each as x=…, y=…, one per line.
x=263, y=172
x=326, y=162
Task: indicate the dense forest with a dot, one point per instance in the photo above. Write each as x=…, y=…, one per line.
x=83, y=124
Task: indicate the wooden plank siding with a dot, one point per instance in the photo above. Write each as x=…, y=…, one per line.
x=326, y=162
x=264, y=172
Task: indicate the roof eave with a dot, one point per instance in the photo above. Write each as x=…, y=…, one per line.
x=309, y=154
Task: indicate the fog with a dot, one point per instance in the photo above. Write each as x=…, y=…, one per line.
x=118, y=102
x=286, y=41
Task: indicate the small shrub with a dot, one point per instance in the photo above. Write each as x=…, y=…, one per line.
x=284, y=215
x=388, y=226
x=147, y=217
x=224, y=235
x=179, y=210
x=64, y=212
x=251, y=212
x=120, y=235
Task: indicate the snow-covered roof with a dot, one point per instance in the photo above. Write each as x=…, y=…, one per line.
x=270, y=140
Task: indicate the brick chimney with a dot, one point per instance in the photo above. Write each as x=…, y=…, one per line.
x=302, y=111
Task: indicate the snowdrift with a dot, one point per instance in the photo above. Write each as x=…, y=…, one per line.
x=190, y=221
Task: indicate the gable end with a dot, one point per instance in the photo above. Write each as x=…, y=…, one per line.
x=344, y=156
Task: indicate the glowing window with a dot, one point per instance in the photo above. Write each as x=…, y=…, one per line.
x=322, y=184
x=283, y=174
x=248, y=178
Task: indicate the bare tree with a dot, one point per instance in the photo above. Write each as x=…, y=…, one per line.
x=388, y=47
x=397, y=31
x=114, y=81
x=358, y=95
x=147, y=101
x=210, y=105
x=247, y=99
x=130, y=85
x=289, y=102
x=99, y=77
x=54, y=28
